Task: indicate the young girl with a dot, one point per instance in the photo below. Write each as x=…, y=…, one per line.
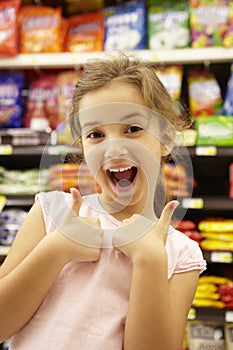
x=103, y=271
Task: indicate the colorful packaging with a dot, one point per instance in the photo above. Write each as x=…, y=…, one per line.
x=204, y=93
x=228, y=329
x=168, y=25
x=228, y=101
x=65, y=85
x=125, y=26
x=40, y=29
x=214, y=131
x=42, y=103
x=85, y=33
x=171, y=77
x=216, y=225
x=228, y=37
x=208, y=22
x=11, y=99
x=205, y=335
x=231, y=180
x=9, y=27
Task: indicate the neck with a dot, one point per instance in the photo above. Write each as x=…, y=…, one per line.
x=121, y=212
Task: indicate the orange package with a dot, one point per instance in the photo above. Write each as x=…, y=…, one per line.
x=9, y=27
x=85, y=33
x=40, y=29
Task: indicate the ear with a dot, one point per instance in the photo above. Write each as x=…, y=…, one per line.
x=164, y=151
x=79, y=142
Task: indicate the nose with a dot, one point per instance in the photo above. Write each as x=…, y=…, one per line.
x=115, y=148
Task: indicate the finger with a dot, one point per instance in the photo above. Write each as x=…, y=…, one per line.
x=76, y=200
x=167, y=213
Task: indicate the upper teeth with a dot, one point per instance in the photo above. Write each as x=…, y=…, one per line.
x=120, y=169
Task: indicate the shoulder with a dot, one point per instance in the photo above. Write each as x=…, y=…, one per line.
x=56, y=204
x=184, y=254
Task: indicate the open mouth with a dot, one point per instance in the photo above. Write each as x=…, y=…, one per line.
x=122, y=177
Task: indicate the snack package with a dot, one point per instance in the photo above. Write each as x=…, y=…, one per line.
x=42, y=103
x=64, y=176
x=177, y=180
x=228, y=101
x=168, y=25
x=125, y=26
x=205, y=335
x=228, y=37
x=65, y=85
x=11, y=84
x=214, y=131
x=171, y=77
x=8, y=27
x=216, y=225
x=231, y=180
x=40, y=29
x=204, y=93
x=228, y=329
x=85, y=32
x=208, y=22
x=66, y=82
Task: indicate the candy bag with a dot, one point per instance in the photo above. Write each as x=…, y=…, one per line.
x=168, y=25
x=40, y=29
x=204, y=93
x=8, y=27
x=125, y=26
x=208, y=22
x=11, y=99
x=85, y=33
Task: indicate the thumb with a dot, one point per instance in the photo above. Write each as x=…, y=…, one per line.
x=76, y=200
x=167, y=213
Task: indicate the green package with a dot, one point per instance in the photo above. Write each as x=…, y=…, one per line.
x=214, y=130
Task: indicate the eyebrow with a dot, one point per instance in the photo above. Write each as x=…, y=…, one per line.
x=124, y=118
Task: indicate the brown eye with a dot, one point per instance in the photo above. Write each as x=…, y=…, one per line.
x=95, y=135
x=133, y=129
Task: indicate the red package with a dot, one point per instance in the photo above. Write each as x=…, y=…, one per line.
x=85, y=33
x=9, y=27
x=42, y=103
x=40, y=29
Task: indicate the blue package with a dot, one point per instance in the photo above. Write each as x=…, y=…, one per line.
x=125, y=26
x=228, y=101
x=11, y=84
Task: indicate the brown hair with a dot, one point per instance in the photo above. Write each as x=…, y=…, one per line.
x=131, y=70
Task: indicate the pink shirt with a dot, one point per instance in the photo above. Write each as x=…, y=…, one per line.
x=86, y=306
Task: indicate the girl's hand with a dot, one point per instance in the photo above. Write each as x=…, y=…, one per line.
x=151, y=238
x=82, y=236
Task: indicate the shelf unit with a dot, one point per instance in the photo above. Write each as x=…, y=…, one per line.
x=71, y=60
x=199, y=203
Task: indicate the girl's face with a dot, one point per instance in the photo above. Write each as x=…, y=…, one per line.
x=120, y=152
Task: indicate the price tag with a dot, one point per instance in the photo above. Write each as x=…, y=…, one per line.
x=221, y=257
x=206, y=151
x=193, y=203
x=192, y=314
x=154, y=57
x=229, y=316
x=6, y=150
x=35, y=59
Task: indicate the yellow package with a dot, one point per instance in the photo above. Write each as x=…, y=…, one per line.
x=216, y=225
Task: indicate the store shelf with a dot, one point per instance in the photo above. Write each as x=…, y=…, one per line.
x=210, y=151
x=218, y=257
x=68, y=60
x=207, y=314
x=208, y=203
x=20, y=201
